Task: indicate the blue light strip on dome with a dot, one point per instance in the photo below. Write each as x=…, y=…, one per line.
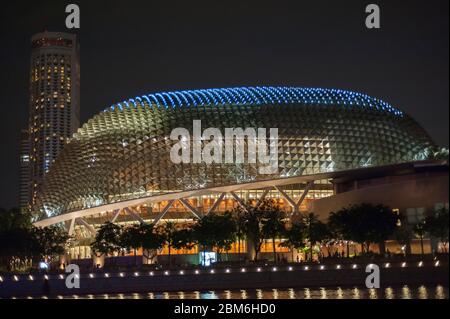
x=257, y=96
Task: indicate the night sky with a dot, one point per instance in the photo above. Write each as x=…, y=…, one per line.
x=130, y=48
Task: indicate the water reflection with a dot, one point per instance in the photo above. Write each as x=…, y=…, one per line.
x=340, y=293
x=291, y=294
x=401, y=292
x=323, y=293
x=441, y=292
x=275, y=293
x=423, y=292
x=406, y=293
x=356, y=294
x=389, y=293
x=307, y=293
x=259, y=294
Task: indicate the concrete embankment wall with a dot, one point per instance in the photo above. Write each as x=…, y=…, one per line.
x=221, y=280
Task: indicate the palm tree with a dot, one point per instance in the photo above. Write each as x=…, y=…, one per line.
x=131, y=239
x=108, y=239
x=294, y=237
x=15, y=231
x=273, y=226
x=183, y=239
x=365, y=224
x=239, y=220
x=168, y=231
x=151, y=241
x=341, y=223
x=437, y=225
x=420, y=231
x=215, y=231
x=49, y=242
x=253, y=221
x=316, y=231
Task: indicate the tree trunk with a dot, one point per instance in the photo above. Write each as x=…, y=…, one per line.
x=382, y=247
x=348, y=249
x=239, y=249
x=169, y=256
x=421, y=244
x=274, y=251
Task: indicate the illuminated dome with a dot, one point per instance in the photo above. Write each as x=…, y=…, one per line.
x=123, y=153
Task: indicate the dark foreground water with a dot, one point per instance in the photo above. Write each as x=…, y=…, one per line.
x=401, y=292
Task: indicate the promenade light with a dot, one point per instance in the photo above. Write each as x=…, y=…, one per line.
x=306, y=268
x=121, y=274
x=212, y=271
x=16, y=278
x=136, y=274
x=166, y=273
x=196, y=272
x=107, y=275
x=290, y=268
x=387, y=265
x=436, y=264
x=322, y=267
x=274, y=269
x=338, y=266
x=61, y=277
x=181, y=272
x=151, y=273
x=403, y=264
x=1, y=279
x=243, y=270
x=31, y=278
x=258, y=269
x=91, y=275
x=355, y=266
x=45, y=277
x=227, y=271
x=420, y=264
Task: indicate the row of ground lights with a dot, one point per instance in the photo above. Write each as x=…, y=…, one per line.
x=213, y=271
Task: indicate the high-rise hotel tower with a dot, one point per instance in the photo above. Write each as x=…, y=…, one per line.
x=54, y=102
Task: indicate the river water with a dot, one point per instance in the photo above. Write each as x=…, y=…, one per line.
x=398, y=292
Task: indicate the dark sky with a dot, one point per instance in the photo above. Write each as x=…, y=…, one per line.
x=130, y=48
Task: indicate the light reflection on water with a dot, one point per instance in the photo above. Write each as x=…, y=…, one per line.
x=402, y=292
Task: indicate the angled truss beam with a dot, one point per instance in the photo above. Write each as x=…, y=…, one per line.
x=164, y=211
x=116, y=214
x=189, y=207
x=216, y=204
x=70, y=226
x=263, y=196
x=239, y=200
x=296, y=205
x=83, y=222
x=135, y=214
